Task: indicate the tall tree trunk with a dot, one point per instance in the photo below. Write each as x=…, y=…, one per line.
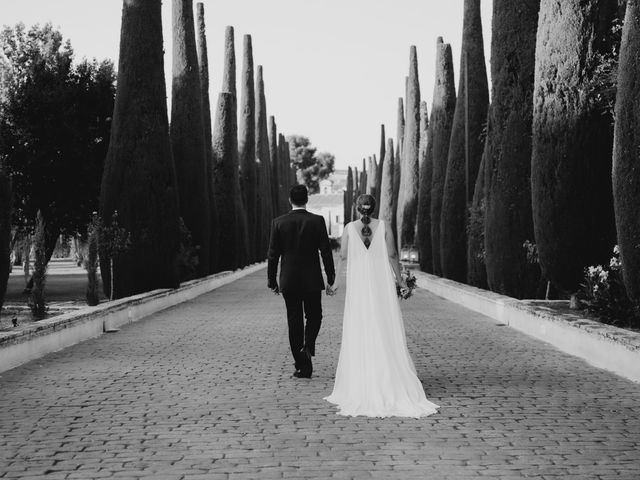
x=248, y=147
x=203, y=62
x=476, y=269
x=444, y=104
x=379, y=172
x=468, y=121
x=410, y=171
x=188, y=133
x=275, y=166
x=371, y=177
x=349, y=196
x=626, y=160
x=139, y=179
x=423, y=240
x=229, y=71
x=263, y=157
x=508, y=218
x=283, y=151
x=397, y=167
x=229, y=86
x=572, y=141
x=386, y=187
x=227, y=188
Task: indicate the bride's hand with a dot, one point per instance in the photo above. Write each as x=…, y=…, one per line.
x=331, y=290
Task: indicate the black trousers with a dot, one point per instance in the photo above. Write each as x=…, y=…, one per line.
x=300, y=305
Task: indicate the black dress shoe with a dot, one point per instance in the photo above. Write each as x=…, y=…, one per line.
x=299, y=374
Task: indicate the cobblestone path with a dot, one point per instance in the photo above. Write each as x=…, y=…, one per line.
x=204, y=391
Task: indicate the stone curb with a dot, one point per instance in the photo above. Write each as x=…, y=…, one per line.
x=604, y=346
x=61, y=331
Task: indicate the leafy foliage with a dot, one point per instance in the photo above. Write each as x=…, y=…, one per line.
x=312, y=166
x=55, y=119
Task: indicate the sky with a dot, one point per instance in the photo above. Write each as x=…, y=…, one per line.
x=333, y=69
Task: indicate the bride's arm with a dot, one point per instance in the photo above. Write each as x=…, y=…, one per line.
x=342, y=257
x=394, y=259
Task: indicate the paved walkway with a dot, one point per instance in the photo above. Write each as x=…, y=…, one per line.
x=203, y=390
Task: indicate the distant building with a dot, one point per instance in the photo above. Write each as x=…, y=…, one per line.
x=329, y=202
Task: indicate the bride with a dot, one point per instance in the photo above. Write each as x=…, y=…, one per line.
x=375, y=375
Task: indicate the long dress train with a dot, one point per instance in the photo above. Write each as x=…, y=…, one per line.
x=375, y=375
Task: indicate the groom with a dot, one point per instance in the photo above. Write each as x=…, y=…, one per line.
x=296, y=238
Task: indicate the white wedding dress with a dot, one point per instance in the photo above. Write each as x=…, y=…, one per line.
x=375, y=375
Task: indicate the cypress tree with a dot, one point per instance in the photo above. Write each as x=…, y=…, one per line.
x=229, y=71
x=423, y=240
x=349, y=196
x=379, y=172
x=397, y=167
x=444, y=104
x=229, y=86
x=371, y=177
x=5, y=231
x=275, y=167
x=476, y=269
x=284, y=174
x=188, y=133
x=288, y=173
x=227, y=187
x=572, y=141
x=626, y=160
x=247, y=147
x=292, y=167
x=139, y=179
x=356, y=193
x=286, y=168
x=458, y=189
x=508, y=218
x=410, y=170
x=386, y=186
x=260, y=249
x=203, y=62
x=363, y=178
x=262, y=156
x=357, y=181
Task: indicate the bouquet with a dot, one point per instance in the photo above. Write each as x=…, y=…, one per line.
x=410, y=280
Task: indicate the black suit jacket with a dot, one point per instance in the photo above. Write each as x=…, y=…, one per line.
x=296, y=238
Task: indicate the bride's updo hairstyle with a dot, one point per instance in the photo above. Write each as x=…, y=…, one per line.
x=365, y=205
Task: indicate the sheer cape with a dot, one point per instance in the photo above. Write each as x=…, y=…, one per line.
x=375, y=375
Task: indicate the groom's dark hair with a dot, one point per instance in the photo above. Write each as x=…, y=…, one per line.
x=299, y=195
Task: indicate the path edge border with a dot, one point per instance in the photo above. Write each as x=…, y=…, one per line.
x=603, y=346
x=62, y=331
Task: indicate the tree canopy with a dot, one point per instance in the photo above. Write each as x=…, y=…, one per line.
x=55, y=119
x=311, y=166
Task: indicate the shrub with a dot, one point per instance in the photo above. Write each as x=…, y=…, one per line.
x=604, y=294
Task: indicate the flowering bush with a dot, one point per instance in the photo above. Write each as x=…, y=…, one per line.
x=410, y=280
x=604, y=293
